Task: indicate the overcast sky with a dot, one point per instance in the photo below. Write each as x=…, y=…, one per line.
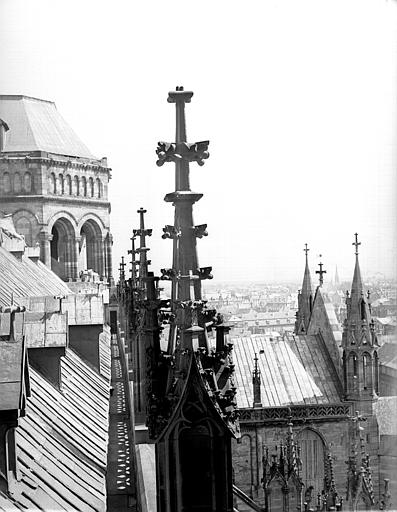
x=297, y=98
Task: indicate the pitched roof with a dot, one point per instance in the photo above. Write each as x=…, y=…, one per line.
x=26, y=278
x=62, y=442
x=294, y=370
x=36, y=125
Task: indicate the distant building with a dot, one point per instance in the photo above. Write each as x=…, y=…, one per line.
x=54, y=188
x=304, y=390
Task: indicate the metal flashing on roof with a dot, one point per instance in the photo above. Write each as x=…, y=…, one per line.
x=24, y=278
x=294, y=370
x=62, y=441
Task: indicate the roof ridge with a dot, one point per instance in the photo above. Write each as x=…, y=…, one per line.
x=24, y=96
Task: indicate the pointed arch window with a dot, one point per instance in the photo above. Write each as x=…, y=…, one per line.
x=352, y=373
x=376, y=372
x=313, y=460
x=362, y=309
x=367, y=371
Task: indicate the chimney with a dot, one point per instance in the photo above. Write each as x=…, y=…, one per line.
x=14, y=389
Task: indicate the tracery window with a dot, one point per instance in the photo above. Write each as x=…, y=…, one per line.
x=313, y=461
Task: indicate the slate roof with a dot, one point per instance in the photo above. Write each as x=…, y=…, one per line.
x=26, y=278
x=295, y=370
x=388, y=355
x=36, y=125
x=62, y=441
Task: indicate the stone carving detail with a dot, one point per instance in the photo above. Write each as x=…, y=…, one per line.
x=189, y=152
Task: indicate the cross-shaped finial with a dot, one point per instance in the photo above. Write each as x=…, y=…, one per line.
x=321, y=272
x=141, y=212
x=356, y=243
x=306, y=249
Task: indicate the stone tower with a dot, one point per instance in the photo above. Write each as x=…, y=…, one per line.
x=359, y=342
x=54, y=188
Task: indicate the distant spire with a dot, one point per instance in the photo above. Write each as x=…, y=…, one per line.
x=305, y=299
x=122, y=270
x=142, y=232
x=321, y=273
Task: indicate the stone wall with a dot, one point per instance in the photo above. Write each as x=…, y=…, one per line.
x=248, y=452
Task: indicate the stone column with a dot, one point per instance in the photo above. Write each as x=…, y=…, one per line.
x=100, y=256
x=108, y=250
x=77, y=250
x=45, y=248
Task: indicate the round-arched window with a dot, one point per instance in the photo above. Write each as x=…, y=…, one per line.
x=27, y=182
x=17, y=183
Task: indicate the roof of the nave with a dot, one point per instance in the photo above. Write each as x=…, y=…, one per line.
x=295, y=370
x=62, y=441
x=36, y=125
x=62, y=435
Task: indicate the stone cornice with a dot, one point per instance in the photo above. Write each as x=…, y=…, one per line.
x=77, y=200
x=52, y=162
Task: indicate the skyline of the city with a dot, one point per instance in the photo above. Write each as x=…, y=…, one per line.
x=302, y=137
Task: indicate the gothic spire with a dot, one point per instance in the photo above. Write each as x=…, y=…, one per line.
x=185, y=274
x=360, y=358
x=305, y=299
x=142, y=232
x=358, y=308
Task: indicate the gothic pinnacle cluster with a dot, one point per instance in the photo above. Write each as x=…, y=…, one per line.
x=190, y=319
x=359, y=341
